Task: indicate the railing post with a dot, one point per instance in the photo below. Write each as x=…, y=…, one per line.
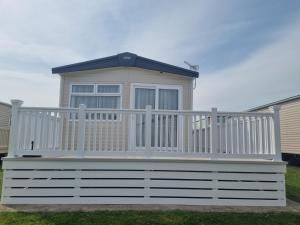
x=13, y=133
x=214, y=132
x=276, y=120
x=148, y=128
x=81, y=130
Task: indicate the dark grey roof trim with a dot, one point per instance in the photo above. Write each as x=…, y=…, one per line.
x=276, y=103
x=125, y=59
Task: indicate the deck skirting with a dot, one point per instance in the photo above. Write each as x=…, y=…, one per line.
x=143, y=181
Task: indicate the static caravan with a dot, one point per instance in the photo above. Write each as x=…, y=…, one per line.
x=125, y=132
x=5, y=110
x=289, y=124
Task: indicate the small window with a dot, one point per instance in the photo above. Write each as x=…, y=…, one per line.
x=83, y=88
x=108, y=96
x=108, y=88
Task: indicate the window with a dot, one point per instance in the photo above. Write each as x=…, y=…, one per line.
x=96, y=96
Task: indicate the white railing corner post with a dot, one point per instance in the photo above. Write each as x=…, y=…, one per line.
x=81, y=130
x=214, y=132
x=276, y=120
x=148, y=128
x=14, y=126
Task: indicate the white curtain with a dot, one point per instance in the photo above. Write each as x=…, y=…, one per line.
x=89, y=101
x=108, y=102
x=168, y=99
x=111, y=102
x=143, y=97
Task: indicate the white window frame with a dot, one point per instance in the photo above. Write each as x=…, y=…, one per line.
x=133, y=86
x=95, y=93
x=131, y=136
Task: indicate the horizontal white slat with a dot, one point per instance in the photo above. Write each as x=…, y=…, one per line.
x=180, y=183
x=250, y=194
x=74, y=192
x=142, y=164
x=251, y=185
x=74, y=174
x=73, y=183
x=182, y=192
x=126, y=200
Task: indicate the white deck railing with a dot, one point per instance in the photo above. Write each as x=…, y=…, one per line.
x=106, y=132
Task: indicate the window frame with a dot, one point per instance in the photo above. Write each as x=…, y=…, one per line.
x=95, y=92
x=156, y=87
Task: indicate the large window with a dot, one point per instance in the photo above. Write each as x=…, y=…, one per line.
x=105, y=96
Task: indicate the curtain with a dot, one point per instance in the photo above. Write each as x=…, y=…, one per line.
x=108, y=102
x=143, y=97
x=83, y=88
x=89, y=101
x=108, y=89
x=168, y=99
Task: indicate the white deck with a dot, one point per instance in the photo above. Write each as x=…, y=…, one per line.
x=143, y=181
x=92, y=156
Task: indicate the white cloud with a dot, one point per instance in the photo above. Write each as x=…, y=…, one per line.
x=269, y=74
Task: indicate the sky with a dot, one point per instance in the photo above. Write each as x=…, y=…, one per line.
x=248, y=51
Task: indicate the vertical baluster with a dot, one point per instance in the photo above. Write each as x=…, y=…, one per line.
x=167, y=132
x=24, y=133
x=231, y=135
x=206, y=134
x=257, y=134
x=73, y=131
x=48, y=131
x=172, y=132
x=88, y=128
x=125, y=117
x=268, y=135
x=141, y=130
x=220, y=134
x=244, y=135
x=188, y=133
x=200, y=133
x=194, y=132
x=54, y=131
x=251, y=135
x=106, y=131
x=161, y=132
x=156, y=131
x=101, y=131
x=117, y=130
x=61, y=128
x=35, y=131
x=226, y=134
x=238, y=135
x=95, y=131
x=67, y=135
x=262, y=127
x=112, y=129
x=29, y=130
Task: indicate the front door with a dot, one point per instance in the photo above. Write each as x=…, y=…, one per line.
x=164, y=128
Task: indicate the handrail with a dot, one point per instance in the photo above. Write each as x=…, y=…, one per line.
x=89, y=131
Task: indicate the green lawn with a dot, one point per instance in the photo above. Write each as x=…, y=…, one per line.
x=161, y=217
x=148, y=217
x=293, y=183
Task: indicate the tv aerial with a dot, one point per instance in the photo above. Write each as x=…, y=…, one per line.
x=194, y=68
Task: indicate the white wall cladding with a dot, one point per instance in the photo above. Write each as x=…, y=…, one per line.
x=143, y=181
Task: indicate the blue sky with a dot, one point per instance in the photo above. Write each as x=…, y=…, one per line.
x=248, y=50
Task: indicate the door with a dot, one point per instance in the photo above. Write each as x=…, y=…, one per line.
x=164, y=128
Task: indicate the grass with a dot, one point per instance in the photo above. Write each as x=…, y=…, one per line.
x=147, y=217
x=160, y=217
x=293, y=183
